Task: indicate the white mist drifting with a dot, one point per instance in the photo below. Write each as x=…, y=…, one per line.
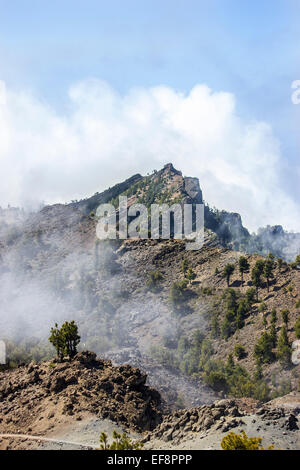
x=104, y=137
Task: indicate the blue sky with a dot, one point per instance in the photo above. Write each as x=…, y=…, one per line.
x=248, y=48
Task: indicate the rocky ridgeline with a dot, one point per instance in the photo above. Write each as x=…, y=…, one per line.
x=32, y=393
x=224, y=415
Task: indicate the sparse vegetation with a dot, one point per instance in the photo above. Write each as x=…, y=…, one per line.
x=184, y=266
x=155, y=278
x=120, y=442
x=242, y=442
x=178, y=294
x=190, y=275
x=239, y=351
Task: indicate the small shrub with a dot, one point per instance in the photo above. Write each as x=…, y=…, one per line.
x=121, y=442
x=239, y=351
x=242, y=442
x=155, y=277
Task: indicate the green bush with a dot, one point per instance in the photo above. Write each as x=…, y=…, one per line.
x=242, y=442
x=121, y=442
x=237, y=308
x=239, y=351
x=155, y=277
x=178, y=294
x=263, y=350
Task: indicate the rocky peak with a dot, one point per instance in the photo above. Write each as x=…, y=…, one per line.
x=169, y=168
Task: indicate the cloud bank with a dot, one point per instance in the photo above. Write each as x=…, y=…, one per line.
x=103, y=138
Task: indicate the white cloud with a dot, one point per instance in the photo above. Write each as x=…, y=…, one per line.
x=105, y=138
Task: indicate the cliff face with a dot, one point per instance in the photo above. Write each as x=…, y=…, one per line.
x=192, y=188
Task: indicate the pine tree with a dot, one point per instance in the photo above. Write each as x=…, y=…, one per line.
x=69, y=331
x=230, y=363
x=284, y=349
x=285, y=316
x=228, y=271
x=178, y=293
x=215, y=327
x=263, y=350
x=258, y=374
x=274, y=316
x=273, y=335
x=244, y=267
x=256, y=275
x=56, y=340
x=279, y=263
x=184, y=266
x=265, y=321
x=273, y=331
x=65, y=339
x=268, y=271
x=190, y=275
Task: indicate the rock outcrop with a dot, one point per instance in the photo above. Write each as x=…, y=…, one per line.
x=221, y=417
x=35, y=392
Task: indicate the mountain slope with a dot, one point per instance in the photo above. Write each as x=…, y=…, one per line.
x=55, y=269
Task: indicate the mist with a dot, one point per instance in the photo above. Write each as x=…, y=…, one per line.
x=53, y=269
x=102, y=138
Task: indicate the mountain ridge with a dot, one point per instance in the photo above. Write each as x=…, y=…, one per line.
x=176, y=188
x=120, y=292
